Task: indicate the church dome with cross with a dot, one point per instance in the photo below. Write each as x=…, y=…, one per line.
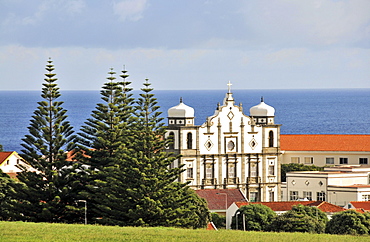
x=263, y=113
x=181, y=111
x=180, y=115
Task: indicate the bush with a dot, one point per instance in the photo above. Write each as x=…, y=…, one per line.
x=349, y=222
x=257, y=217
x=300, y=219
x=218, y=220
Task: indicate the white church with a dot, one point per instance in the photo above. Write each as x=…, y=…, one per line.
x=230, y=150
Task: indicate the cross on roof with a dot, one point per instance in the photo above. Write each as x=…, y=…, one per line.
x=229, y=87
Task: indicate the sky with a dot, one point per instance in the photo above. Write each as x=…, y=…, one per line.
x=186, y=44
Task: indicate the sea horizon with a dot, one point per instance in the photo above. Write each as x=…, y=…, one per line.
x=299, y=111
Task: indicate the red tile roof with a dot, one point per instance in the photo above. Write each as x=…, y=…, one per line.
x=4, y=156
x=361, y=205
x=286, y=206
x=216, y=198
x=325, y=142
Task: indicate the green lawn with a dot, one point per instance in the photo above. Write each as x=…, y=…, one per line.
x=20, y=231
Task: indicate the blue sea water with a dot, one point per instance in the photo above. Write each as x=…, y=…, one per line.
x=329, y=111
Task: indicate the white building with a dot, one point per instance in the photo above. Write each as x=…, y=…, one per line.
x=9, y=161
x=336, y=185
x=230, y=150
x=325, y=149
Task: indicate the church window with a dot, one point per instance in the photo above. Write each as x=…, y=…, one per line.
x=171, y=140
x=271, y=170
x=209, y=172
x=308, y=160
x=230, y=145
x=293, y=195
x=294, y=160
x=271, y=196
x=329, y=160
x=208, y=144
x=320, y=196
x=189, y=172
x=189, y=140
x=363, y=161
x=253, y=170
x=231, y=171
x=271, y=139
x=253, y=197
x=343, y=160
x=253, y=143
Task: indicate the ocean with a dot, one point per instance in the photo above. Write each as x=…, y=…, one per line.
x=322, y=111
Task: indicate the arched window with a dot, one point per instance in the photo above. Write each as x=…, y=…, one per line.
x=189, y=140
x=171, y=138
x=271, y=139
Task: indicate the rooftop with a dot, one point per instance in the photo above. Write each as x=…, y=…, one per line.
x=361, y=205
x=324, y=142
x=286, y=206
x=217, y=199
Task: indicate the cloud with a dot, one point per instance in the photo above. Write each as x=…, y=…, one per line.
x=315, y=23
x=131, y=10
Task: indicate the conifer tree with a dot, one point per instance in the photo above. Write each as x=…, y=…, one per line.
x=155, y=199
x=103, y=141
x=52, y=186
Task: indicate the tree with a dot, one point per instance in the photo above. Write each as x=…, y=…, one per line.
x=6, y=191
x=104, y=145
x=257, y=217
x=300, y=219
x=349, y=222
x=51, y=190
x=155, y=199
x=1, y=148
x=297, y=167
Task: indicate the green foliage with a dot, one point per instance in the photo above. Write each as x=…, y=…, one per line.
x=105, y=143
x=349, y=222
x=6, y=189
x=257, y=217
x=1, y=148
x=50, y=193
x=129, y=181
x=218, y=220
x=300, y=219
x=297, y=167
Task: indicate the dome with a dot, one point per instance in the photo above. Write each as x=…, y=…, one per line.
x=181, y=111
x=262, y=110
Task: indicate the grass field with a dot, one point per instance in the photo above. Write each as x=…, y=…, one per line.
x=20, y=231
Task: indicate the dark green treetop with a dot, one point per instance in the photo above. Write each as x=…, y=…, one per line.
x=104, y=143
x=257, y=217
x=349, y=222
x=51, y=183
x=300, y=219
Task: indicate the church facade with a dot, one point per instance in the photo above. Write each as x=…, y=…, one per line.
x=230, y=150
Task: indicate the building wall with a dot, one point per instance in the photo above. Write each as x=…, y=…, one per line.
x=230, y=151
x=334, y=187
x=10, y=164
x=320, y=157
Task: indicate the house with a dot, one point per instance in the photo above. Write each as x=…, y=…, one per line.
x=219, y=200
x=230, y=150
x=9, y=161
x=338, y=185
x=325, y=149
x=282, y=207
x=363, y=206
